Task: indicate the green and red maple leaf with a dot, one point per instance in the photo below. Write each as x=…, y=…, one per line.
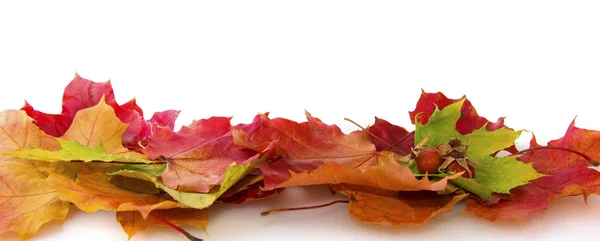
x=99, y=155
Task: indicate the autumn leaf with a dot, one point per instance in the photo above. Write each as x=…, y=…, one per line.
x=198, y=154
x=135, y=183
x=390, y=208
x=27, y=201
x=499, y=174
x=189, y=199
x=232, y=175
x=99, y=126
x=306, y=146
x=385, y=133
x=389, y=175
x=92, y=191
x=82, y=93
x=133, y=222
x=469, y=119
x=468, y=122
x=253, y=192
x=568, y=174
x=73, y=151
x=243, y=184
x=473, y=186
x=99, y=129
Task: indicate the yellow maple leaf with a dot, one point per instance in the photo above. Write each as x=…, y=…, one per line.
x=27, y=201
x=92, y=190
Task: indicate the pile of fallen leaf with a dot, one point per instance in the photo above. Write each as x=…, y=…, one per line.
x=99, y=155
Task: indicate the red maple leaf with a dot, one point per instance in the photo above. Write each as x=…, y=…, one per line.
x=568, y=175
x=82, y=93
x=400, y=138
x=199, y=154
x=467, y=123
x=306, y=146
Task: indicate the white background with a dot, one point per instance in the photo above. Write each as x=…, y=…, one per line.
x=535, y=62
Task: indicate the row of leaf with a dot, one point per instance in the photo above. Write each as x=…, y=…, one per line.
x=99, y=155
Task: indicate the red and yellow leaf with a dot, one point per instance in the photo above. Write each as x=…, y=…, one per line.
x=468, y=121
x=82, y=93
x=92, y=189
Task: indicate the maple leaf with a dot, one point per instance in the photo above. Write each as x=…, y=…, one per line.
x=73, y=151
x=389, y=175
x=99, y=130
x=187, y=199
x=243, y=184
x=306, y=146
x=390, y=208
x=133, y=222
x=391, y=134
x=469, y=119
x=232, y=175
x=499, y=174
x=82, y=93
x=568, y=174
x=92, y=191
x=27, y=201
x=99, y=127
x=199, y=154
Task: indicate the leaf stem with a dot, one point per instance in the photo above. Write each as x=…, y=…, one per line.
x=431, y=175
x=302, y=208
x=584, y=156
x=182, y=231
x=390, y=146
x=402, y=139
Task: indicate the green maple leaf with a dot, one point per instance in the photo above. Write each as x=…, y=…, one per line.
x=72, y=151
x=498, y=174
